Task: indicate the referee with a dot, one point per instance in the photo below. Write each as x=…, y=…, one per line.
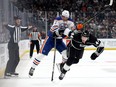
x=13, y=47
x=34, y=37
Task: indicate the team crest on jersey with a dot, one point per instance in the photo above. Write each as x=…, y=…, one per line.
x=63, y=26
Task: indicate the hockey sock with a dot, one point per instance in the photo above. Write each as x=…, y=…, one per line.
x=64, y=56
x=65, y=68
x=37, y=60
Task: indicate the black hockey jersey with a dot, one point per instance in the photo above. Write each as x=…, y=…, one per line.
x=77, y=43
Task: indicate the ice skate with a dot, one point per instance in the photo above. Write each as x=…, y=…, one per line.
x=15, y=74
x=10, y=75
x=31, y=72
x=63, y=72
x=62, y=76
x=60, y=66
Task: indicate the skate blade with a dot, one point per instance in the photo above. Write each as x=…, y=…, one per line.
x=29, y=76
x=11, y=77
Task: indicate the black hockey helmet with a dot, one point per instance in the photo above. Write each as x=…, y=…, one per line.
x=85, y=33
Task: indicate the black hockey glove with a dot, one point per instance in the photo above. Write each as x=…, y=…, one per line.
x=94, y=56
x=54, y=34
x=58, y=32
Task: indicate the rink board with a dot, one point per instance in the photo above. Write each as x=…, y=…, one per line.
x=24, y=46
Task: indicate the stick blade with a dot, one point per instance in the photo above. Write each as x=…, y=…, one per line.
x=52, y=75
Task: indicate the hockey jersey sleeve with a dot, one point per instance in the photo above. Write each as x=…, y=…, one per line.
x=99, y=50
x=100, y=47
x=55, y=25
x=61, y=27
x=72, y=26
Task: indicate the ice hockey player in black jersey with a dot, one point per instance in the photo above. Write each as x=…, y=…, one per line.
x=75, y=49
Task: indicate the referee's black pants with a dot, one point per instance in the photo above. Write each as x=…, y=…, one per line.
x=14, y=59
x=34, y=43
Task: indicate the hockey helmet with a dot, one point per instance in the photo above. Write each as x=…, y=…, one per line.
x=85, y=33
x=65, y=13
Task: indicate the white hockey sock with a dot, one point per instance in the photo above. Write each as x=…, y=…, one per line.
x=64, y=56
x=66, y=67
x=37, y=60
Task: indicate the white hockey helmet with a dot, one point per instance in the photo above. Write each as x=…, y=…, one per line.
x=65, y=13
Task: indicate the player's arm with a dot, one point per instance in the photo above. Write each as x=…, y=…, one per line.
x=57, y=31
x=70, y=31
x=66, y=31
x=54, y=28
x=72, y=26
x=99, y=50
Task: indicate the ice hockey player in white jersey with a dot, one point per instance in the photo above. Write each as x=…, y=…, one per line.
x=56, y=32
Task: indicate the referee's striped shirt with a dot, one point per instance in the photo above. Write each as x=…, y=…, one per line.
x=34, y=35
x=17, y=32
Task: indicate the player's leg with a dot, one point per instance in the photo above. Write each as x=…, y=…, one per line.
x=61, y=47
x=66, y=67
x=73, y=58
x=78, y=56
x=46, y=47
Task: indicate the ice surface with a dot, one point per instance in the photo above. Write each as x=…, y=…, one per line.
x=87, y=73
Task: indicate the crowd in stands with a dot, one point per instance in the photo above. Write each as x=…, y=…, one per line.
x=102, y=26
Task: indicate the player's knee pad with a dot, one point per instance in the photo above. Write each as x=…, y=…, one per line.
x=40, y=56
x=64, y=54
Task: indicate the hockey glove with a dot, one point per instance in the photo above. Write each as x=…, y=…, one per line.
x=58, y=32
x=94, y=55
x=54, y=34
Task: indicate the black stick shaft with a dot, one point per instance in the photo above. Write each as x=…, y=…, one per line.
x=98, y=13
x=52, y=78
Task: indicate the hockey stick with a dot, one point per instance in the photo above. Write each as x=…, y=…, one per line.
x=105, y=7
x=54, y=59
